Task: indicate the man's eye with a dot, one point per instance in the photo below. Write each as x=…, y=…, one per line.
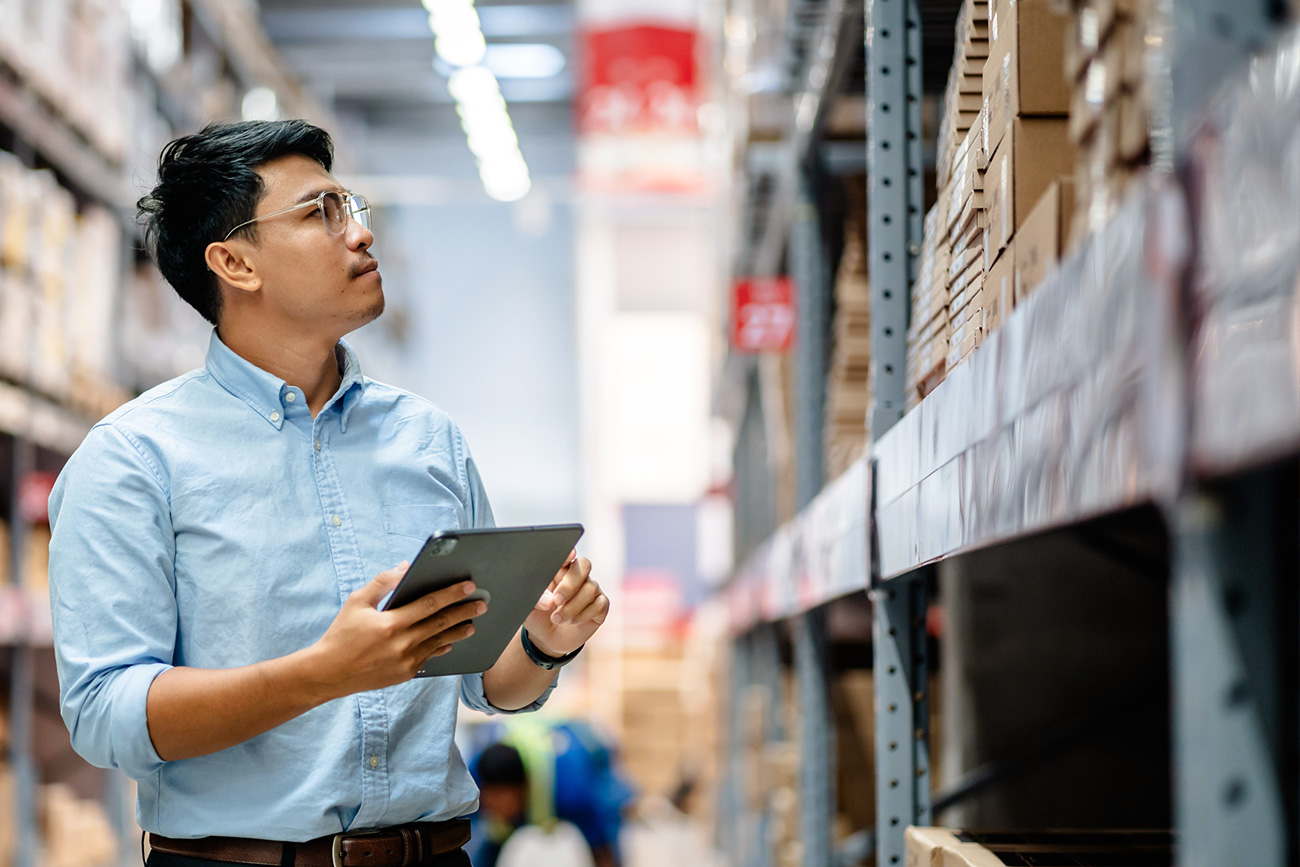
x=313, y=212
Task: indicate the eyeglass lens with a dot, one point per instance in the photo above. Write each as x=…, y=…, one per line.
x=337, y=207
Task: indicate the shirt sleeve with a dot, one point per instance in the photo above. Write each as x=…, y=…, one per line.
x=480, y=512
x=112, y=597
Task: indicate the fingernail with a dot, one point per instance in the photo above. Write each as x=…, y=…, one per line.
x=468, y=587
x=556, y=618
x=481, y=607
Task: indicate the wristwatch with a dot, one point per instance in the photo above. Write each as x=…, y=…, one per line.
x=542, y=660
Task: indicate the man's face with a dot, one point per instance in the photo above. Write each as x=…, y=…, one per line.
x=505, y=801
x=311, y=280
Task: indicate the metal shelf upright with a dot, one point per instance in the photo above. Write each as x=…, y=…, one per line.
x=1149, y=390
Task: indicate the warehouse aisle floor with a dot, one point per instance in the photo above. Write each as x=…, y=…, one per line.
x=664, y=837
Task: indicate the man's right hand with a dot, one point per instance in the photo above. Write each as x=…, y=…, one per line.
x=366, y=648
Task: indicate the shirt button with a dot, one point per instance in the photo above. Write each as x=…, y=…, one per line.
x=291, y=397
x=275, y=416
x=317, y=445
x=374, y=762
x=337, y=520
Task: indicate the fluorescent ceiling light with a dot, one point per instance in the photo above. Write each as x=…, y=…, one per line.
x=524, y=60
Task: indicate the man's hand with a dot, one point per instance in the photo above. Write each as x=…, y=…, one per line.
x=570, y=611
x=368, y=649
x=197, y=711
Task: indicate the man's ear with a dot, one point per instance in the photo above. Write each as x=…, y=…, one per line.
x=228, y=262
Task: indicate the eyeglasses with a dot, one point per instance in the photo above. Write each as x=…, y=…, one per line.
x=336, y=208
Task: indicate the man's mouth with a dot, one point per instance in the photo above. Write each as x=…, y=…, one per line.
x=365, y=267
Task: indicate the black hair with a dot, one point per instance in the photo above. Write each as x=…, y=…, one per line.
x=501, y=765
x=208, y=184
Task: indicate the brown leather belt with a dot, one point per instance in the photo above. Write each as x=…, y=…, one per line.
x=401, y=846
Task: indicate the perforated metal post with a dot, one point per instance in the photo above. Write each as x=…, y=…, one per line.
x=902, y=714
x=1232, y=779
x=894, y=194
x=901, y=702
x=817, y=762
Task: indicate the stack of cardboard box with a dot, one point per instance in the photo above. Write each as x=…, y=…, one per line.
x=927, y=336
x=59, y=273
x=963, y=97
x=76, y=831
x=1026, y=105
x=943, y=847
x=848, y=387
x=955, y=226
x=964, y=225
x=1109, y=46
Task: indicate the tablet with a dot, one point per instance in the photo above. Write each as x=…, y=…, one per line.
x=511, y=566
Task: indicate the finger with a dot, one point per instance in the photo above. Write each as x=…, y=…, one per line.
x=381, y=585
x=577, y=575
x=442, y=642
x=448, y=618
x=586, y=594
x=559, y=576
x=596, y=612
x=431, y=603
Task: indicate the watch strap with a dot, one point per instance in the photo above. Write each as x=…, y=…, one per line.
x=543, y=660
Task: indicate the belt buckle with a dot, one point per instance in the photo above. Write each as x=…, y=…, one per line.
x=336, y=850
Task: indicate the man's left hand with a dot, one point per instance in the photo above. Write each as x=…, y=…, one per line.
x=569, y=612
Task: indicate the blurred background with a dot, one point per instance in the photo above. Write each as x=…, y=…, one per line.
x=924, y=374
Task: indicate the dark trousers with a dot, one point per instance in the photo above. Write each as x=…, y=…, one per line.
x=162, y=859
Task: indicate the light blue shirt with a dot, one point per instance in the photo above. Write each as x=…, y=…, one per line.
x=212, y=522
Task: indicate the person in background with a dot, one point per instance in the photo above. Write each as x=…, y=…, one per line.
x=536, y=773
x=222, y=544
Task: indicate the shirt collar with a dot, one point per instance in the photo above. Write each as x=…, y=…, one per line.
x=264, y=392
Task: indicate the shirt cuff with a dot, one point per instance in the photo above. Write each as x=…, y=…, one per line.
x=473, y=696
x=132, y=747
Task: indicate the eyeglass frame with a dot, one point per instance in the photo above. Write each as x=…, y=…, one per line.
x=319, y=202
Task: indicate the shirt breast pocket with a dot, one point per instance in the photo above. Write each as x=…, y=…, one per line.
x=407, y=526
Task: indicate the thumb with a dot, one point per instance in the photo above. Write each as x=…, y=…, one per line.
x=382, y=584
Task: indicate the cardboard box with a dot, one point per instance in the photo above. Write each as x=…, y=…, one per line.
x=1134, y=127
x=1000, y=288
x=1035, y=152
x=1024, y=75
x=1041, y=240
x=1082, y=42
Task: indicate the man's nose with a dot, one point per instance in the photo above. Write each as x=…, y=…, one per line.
x=358, y=237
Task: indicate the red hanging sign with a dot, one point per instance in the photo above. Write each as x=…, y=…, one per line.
x=638, y=79
x=762, y=314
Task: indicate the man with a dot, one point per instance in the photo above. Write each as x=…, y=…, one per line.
x=535, y=772
x=222, y=545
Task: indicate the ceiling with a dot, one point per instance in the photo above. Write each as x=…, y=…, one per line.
x=372, y=62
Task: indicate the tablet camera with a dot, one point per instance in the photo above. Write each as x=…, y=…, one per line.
x=442, y=547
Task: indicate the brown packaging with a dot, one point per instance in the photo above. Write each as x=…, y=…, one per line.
x=1024, y=74
x=1035, y=152
x=1042, y=238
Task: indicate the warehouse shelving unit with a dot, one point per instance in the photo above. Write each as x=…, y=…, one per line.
x=1138, y=414
x=40, y=429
